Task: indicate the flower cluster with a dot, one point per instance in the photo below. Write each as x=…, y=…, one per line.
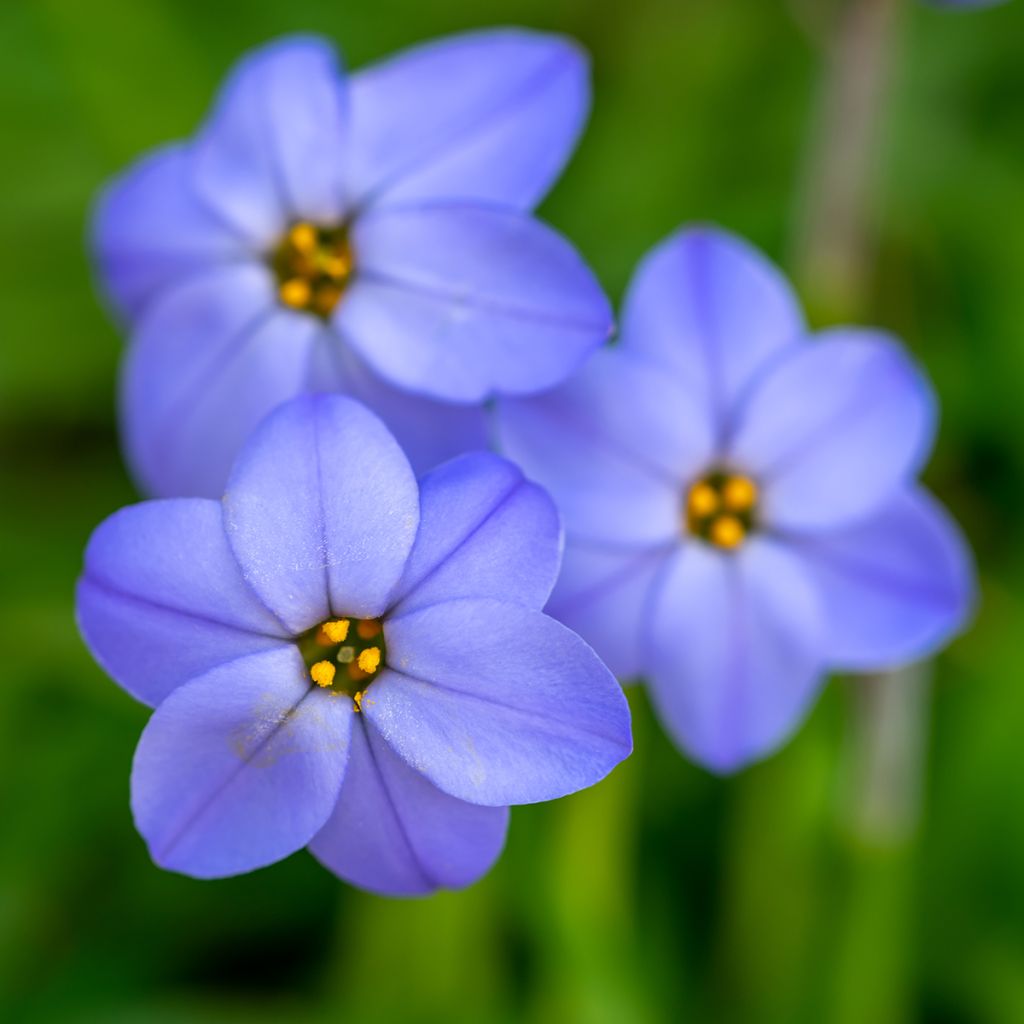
x=336, y=285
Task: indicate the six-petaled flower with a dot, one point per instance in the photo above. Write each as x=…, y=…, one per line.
x=740, y=500
x=366, y=235
x=344, y=659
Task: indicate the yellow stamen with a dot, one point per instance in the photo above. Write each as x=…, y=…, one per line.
x=337, y=266
x=727, y=532
x=325, y=298
x=336, y=631
x=323, y=673
x=358, y=698
x=739, y=494
x=303, y=237
x=368, y=628
x=369, y=660
x=314, y=265
x=295, y=293
x=702, y=501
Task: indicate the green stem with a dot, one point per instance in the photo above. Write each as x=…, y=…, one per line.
x=834, y=260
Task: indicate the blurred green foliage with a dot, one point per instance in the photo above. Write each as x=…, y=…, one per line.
x=663, y=894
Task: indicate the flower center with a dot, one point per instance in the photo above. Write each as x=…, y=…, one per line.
x=345, y=655
x=314, y=266
x=721, y=508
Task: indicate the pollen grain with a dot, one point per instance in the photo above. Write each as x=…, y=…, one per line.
x=323, y=673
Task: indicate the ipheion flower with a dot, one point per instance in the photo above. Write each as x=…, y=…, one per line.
x=740, y=500
x=341, y=658
x=364, y=234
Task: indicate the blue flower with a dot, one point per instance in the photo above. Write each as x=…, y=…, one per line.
x=341, y=658
x=365, y=235
x=740, y=501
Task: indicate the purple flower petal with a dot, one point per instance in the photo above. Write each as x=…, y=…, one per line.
x=240, y=767
x=484, y=531
x=894, y=587
x=162, y=599
x=834, y=429
x=321, y=511
x=497, y=704
x=275, y=149
x=603, y=594
x=150, y=230
x=614, y=446
x=430, y=432
x=712, y=309
x=209, y=361
x=735, y=650
x=394, y=833
x=491, y=116
x=460, y=301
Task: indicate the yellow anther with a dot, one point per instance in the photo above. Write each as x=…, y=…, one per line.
x=314, y=266
x=739, y=494
x=303, y=237
x=358, y=698
x=369, y=660
x=702, y=501
x=727, y=532
x=337, y=266
x=323, y=673
x=368, y=628
x=295, y=292
x=336, y=631
x=325, y=298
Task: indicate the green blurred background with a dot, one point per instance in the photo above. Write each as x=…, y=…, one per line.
x=856, y=876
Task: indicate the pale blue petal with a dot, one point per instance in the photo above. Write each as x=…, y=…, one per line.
x=713, y=311
x=240, y=767
x=321, y=511
x=485, y=531
x=894, y=587
x=497, y=704
x=460, y=302
x=835, y=429
x=491, y=116
x=162, y=599
x=736, y=651
x=275, y=148
x=208, y=362
x=394, y=833
x=604, y=593
x=150, y=231
x=429, y=431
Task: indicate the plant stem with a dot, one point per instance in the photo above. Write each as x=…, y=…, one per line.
x=835, y=263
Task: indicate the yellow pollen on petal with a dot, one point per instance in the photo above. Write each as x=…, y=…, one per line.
x=739, y=494
x=323, y=673
x=336, y=631
x=727, y=532
x=369, y=660
x=357, y=697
